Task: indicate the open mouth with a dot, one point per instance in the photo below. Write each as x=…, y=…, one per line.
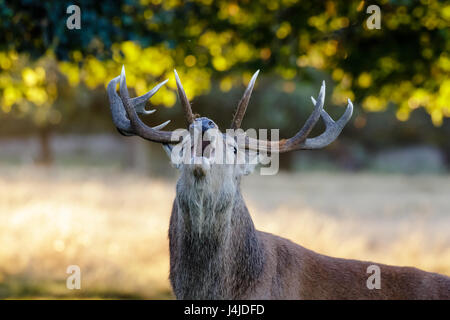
x=202, y=149
x=204, y=145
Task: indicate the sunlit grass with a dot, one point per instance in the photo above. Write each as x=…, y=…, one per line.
x=114, y=226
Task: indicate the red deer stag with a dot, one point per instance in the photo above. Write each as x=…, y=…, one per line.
x=215, y=250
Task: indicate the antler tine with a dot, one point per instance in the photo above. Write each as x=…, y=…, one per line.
x=300, y=140
x=332, y=128
x=123, y=107
x=303, y=133
x=243, y=103
x=139, y=102
x=184, y=100
x=118, y=112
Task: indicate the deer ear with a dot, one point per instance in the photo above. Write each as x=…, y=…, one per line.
x=168, y=149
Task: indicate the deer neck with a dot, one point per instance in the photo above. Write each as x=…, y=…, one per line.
x=215, y=243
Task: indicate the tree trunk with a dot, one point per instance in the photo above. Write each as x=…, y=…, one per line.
x=45, y=156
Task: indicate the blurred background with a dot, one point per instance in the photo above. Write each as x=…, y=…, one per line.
x=73, y=191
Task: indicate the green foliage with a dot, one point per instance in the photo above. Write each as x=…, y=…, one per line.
x=405, y=63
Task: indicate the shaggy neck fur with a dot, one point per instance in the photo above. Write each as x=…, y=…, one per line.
x=214, y=250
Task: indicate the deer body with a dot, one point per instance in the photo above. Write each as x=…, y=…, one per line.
x=215, y=250
x=216, y=253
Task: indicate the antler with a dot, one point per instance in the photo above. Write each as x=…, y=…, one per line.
x=243, y=103
x=300, y=140
x=184, y=101
x=124, y=110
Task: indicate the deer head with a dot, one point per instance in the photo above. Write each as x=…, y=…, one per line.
x=206, y=165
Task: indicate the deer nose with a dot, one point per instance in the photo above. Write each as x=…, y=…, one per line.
x=205, y=123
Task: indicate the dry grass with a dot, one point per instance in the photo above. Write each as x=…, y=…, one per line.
x=114, y=225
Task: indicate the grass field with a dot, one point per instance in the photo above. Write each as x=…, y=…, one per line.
x=114, y=225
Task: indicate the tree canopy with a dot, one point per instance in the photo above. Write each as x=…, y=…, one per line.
x=405, y=63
